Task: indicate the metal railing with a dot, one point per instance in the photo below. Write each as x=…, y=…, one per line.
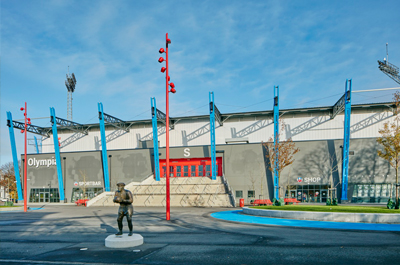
x=230, y=192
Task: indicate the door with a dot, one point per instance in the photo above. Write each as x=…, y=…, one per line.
x=324, y=195
x=44, y=196
x=41, y=197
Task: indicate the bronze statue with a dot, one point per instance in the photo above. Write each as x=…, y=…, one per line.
x=125, y=199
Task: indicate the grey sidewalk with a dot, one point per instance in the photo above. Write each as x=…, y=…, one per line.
x=59, y=234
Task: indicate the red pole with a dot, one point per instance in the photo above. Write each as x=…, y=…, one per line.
x=25, y=168
x=167, y=130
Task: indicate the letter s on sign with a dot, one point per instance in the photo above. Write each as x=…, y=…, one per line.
x=186, y=152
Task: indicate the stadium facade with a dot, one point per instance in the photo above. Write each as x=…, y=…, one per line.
x=240, y=155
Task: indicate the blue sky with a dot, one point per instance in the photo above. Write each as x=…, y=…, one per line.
x=238, y=49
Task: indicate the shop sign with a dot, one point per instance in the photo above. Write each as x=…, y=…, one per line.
x=41, y=162
x=299, y=179
x=312, y=179
x=87, y=183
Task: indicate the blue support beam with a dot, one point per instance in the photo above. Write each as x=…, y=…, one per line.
x=15, y=156
x=57, y=154
x=104, y=147
x=36, y=145
x=212, y=134
x=346, y=139
x=276, y=142
x=155, y=139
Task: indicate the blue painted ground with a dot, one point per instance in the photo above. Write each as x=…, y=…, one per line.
x=236, y=216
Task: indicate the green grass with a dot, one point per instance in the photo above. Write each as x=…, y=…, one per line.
x=337, y=209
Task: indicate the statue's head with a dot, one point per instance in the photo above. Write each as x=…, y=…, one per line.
x=121, y=186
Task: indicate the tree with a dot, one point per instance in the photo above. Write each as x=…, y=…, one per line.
x=83, y=174
x=286, y=151
x=390, y=142
x=7, y=179
x=325, y=163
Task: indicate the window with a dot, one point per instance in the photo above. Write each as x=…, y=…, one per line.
x=192, y=171
x=201, y=171
x=208, y=169
x=77, y=193
x=251, y=194
x=239, y=194
x=178, y=171
x=186, y=171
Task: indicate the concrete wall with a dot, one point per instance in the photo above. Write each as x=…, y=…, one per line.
x=129, y=165
x=244, y=166
x=76, y=169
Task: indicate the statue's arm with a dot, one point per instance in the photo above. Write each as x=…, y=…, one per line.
x=116, y=197
x=130, y=197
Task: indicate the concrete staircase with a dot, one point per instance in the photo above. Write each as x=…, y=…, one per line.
x=184, y=191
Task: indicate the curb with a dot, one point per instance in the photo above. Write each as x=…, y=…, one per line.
x=378, y=218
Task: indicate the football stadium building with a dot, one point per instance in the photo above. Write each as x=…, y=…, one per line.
x=215, y=159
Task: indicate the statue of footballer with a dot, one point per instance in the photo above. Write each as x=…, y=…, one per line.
x=124, y=198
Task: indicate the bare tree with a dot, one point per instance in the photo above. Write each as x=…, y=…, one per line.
x=83, y=174
x=285, y=151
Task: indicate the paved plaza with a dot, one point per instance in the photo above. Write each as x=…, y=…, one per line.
x=68, y=234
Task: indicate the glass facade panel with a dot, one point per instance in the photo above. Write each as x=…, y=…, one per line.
x=308, y=193
x=89, y=193
x=372, y=193
x=44, y=195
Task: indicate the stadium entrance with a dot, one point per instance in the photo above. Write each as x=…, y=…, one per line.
x=308, y=193
x=190, y=167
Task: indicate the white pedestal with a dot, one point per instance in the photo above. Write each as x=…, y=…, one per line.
x=124, y=241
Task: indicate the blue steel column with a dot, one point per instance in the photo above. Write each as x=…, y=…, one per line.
x=14, y=155
x=155, y=139
x=276, y=141
x=212, y=133
x=57, y=153
x=36, y=145
x=104, y=147
x=346, y=139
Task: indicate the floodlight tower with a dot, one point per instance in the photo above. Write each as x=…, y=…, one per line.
x=70, y=84
x=389, y=69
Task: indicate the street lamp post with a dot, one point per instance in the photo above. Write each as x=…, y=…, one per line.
x=27, y=121
x=168, y=85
